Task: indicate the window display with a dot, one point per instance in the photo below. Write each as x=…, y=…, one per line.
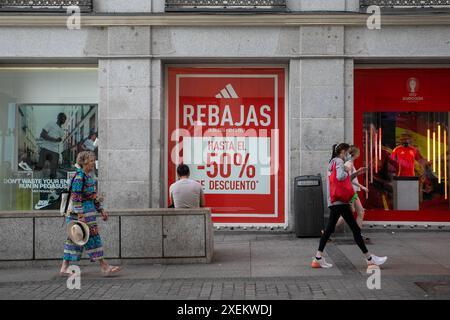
x=401, y=123
x=47, y=116
x=409, y=147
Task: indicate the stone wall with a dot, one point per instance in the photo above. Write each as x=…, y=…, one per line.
x=153, y=235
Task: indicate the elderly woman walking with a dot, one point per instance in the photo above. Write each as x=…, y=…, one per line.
x=86, y=208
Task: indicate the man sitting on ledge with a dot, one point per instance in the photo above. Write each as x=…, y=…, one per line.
x=186, y=193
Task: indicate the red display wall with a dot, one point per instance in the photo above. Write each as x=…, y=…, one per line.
x=400, y=90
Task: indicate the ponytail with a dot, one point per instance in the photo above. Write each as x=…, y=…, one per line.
x=333, y=152
x=337, y=149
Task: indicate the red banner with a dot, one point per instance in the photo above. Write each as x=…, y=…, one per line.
x=227, y=125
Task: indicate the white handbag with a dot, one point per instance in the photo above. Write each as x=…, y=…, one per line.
x=66, y=206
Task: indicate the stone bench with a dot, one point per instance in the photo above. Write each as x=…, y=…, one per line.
x=129, y=236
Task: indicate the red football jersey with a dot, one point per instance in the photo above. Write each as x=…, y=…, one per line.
x=405, y=157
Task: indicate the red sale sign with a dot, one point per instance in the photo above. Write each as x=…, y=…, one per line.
x=228, y=126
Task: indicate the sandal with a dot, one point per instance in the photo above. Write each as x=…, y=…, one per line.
x=64, y=274
x=111, y=270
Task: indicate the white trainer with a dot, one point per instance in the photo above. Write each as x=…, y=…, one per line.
x=378, y=261
x=41, y=204
x=320, y=263
x=24, y=166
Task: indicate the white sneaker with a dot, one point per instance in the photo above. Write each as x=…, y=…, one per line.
x=24, y=166
x=378, y=261
x=41, y=204
x=53, y=197
x=321, y=263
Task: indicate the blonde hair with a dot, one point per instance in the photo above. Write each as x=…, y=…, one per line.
x=354, y=150
x=84, y=156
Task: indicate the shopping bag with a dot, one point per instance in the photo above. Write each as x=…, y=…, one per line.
x=340, y=190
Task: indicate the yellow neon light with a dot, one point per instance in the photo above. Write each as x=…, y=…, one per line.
x=428, y=145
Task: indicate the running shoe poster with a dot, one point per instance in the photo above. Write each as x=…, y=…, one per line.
x=228, y=126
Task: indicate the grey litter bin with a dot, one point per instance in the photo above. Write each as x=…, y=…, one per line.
x=308, y=206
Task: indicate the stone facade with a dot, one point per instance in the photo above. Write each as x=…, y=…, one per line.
x=131, y=63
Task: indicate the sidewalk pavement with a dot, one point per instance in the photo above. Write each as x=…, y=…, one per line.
x=262, y=266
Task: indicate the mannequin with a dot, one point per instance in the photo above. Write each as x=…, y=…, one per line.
x=405, y=155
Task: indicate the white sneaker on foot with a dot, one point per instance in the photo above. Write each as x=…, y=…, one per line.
x=320, y=263
x=378, y=261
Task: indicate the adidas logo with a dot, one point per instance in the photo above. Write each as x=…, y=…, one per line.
x=228, y=93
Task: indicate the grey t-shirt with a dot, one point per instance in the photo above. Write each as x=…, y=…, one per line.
x=186, y=193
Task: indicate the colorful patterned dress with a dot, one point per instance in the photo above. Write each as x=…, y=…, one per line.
x=85, y=208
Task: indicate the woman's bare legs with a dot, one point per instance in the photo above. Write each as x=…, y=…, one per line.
x=64, y=266
x=360, y=213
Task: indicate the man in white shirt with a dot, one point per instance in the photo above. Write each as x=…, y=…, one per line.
x=51, y=135
x=186, y=193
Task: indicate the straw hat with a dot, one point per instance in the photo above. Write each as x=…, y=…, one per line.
x=78, y=232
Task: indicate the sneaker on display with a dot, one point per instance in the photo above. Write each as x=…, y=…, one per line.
x=378, y=261
x=41, y=204
x=24, y=166
x=320, y=263
x=53, y=197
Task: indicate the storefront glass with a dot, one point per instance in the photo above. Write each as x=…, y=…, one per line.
x=401, y=127
x=46, y=117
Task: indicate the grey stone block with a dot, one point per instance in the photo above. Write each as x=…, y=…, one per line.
x=16, y=237
x=325, y=40
x=288, y=42
x=128, y=134
x=126, y=166
x=52, y=42
x=321, y=134
x=349, y=108
x=126, y=194
x=114, y=6
x=362, y=42
x=322, y=72
x=184, y=236
x=129, y=41
x=322, y=102
x=110, y=234
x=322, y=5
x=50, y=236
x=294, y=89
x=127, y=102
x=314, y=162
x=125, y=73
x=141, y=237
x=222, y=42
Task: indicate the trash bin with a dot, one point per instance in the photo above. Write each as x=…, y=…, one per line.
x=308, y=206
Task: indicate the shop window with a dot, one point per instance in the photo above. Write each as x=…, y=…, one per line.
x=401, y=124
x=37, y=128
x=407, y=158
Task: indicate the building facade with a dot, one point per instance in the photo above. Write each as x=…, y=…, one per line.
x=263, y=88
